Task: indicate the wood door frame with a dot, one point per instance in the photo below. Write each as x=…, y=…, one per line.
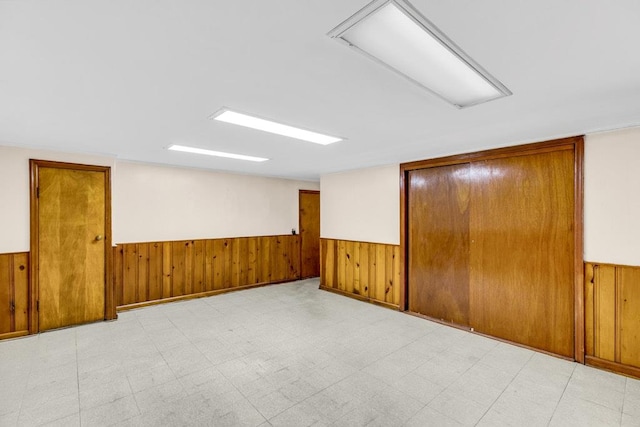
x=573, y=143
x=34, y=285
x=300, y=192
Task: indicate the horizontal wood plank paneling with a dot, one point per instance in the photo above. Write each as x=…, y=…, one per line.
x=612, y=323
x=156, y=271
x=14, y=295
x=367, y=271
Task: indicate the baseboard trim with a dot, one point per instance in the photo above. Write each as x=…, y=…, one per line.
x=360, y=298
x=198, y=295
x=616, y=367
x=473, y=331
x=11, y=335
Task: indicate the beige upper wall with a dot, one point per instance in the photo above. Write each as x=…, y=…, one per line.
x=15, y=187
x=155, y=203
x=612, y=197
x=361, y=205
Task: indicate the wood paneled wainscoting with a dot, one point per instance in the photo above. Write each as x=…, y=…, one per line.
x=612, y=317
x=14, y=295
x=153, y=272
x=366, y=271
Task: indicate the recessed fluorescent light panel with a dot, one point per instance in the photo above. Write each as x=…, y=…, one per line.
x=241, y=119
x=395, y=34
x=195, y=150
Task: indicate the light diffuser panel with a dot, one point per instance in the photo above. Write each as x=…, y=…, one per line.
x=241, y=119
x=195, y=150
x=394, y=33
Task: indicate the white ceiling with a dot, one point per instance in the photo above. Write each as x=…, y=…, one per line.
x=130, y=77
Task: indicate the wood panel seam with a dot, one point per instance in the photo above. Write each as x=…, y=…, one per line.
x=194, y=267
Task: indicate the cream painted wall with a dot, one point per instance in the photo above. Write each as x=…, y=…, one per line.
x=154, y=203
x=612, y=197
x=162, y=203
x=361, y=205
x=14, y=190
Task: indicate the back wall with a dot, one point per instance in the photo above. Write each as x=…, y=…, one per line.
x=159, y=203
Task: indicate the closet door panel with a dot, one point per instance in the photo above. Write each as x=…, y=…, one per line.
x=438, y=242
x=522, y=249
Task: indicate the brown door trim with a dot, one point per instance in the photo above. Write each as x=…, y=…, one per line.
x=34, y=167
x=573, y=143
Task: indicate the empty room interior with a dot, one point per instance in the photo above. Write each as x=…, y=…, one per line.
x=319, y=213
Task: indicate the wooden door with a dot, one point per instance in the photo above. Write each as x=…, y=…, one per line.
x=438, y=240
x=70, y=244
x=309, y=211
x=522, y=249
x=494, y=243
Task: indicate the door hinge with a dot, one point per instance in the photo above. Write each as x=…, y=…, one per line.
x=37, y=192
x=12, y=306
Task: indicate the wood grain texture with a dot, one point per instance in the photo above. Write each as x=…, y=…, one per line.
x=6, y=294
x=555, y=320
x=79, y=197
x=367, y=271
x=612, y=304
x=438, y=243
x=492, y=291
x=522, y=246
x=629, y=315
x=497, y=153
x=309, y=218
x=589, y=311
x=72, y=258
x=602, y=315
x=156, y=271
x=608, y=365
x=578, y=251
x=14, y=300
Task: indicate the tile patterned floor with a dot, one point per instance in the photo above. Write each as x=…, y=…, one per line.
x=292, y=355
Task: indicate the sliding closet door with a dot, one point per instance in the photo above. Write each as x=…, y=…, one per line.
x=522, y=249
x=438, y=241
x=493, y=242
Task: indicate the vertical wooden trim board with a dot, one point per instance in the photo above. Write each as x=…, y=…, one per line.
x=154, y=272
x=578, y=222
x=362, y=270
x=14, y=295
x=403, y=254
x=493, y=161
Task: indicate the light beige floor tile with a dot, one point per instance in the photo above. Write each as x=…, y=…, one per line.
x=111, y=413
x=104, y=393
x=463, y=410
x=429, y=417
x=293, y=355
x=578, y=412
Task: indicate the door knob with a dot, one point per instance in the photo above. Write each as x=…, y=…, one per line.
x=99, y=237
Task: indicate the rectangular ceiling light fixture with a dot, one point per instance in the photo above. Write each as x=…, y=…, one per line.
x=195, y=150
x=396, y=34
x=241, y=119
